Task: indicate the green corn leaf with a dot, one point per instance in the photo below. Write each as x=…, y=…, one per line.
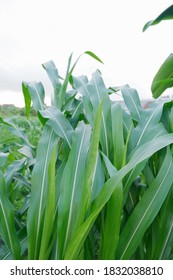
x=127, y=123
x=63, y=88
x=141, y=154
x=146, y=128
x=164, y=242
x=50, y=209
x=5, y=253
x=14, y=129
x=165, y=15
x=163, y=78
x=3, y=159
x=98, y=92
x=132, y=101
x=71, y=186
x=112, y=222
x=80, y=84
x=11, y=169
x=7, y=228
x=98, y=179
x=146, y=210
x=93, y=55
x=117, y=134
x=53, y=74
x=36, y=92
x=59, y=123
x=39, y=191
x=109, y=166
x=93, y=92
x=91, y=168
x=131, y=176
x=27, y=98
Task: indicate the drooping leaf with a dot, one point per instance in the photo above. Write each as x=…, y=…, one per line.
x=165, y=15
x=146, y=128
x=94, y=56
x=34, y=91
x=163, y=78
x=59, y=123
x=53, y=74
x=132, y=101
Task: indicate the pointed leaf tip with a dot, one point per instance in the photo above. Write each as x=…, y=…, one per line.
x=165, y=15
x=94, y=56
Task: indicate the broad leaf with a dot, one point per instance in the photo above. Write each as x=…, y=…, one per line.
x=165, y=15
x=163, y=78
x=59, y=123
x=72, y=185
x=39, y=191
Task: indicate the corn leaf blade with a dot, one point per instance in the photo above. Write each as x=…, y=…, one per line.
x=71, y=186
x=146, y=210
x=39, y=191
x=165, y=15
x=7, y=228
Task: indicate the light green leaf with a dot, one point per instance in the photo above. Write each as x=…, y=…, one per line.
x=94, y=56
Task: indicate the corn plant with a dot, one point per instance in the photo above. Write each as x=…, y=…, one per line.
x=99, y=184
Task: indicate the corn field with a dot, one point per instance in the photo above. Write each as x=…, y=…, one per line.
x=99, y=183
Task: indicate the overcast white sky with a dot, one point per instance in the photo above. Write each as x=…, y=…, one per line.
x=35, y=31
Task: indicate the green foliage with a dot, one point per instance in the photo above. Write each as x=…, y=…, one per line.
x=165, y=15
x=164, y=77
x=96, y=182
